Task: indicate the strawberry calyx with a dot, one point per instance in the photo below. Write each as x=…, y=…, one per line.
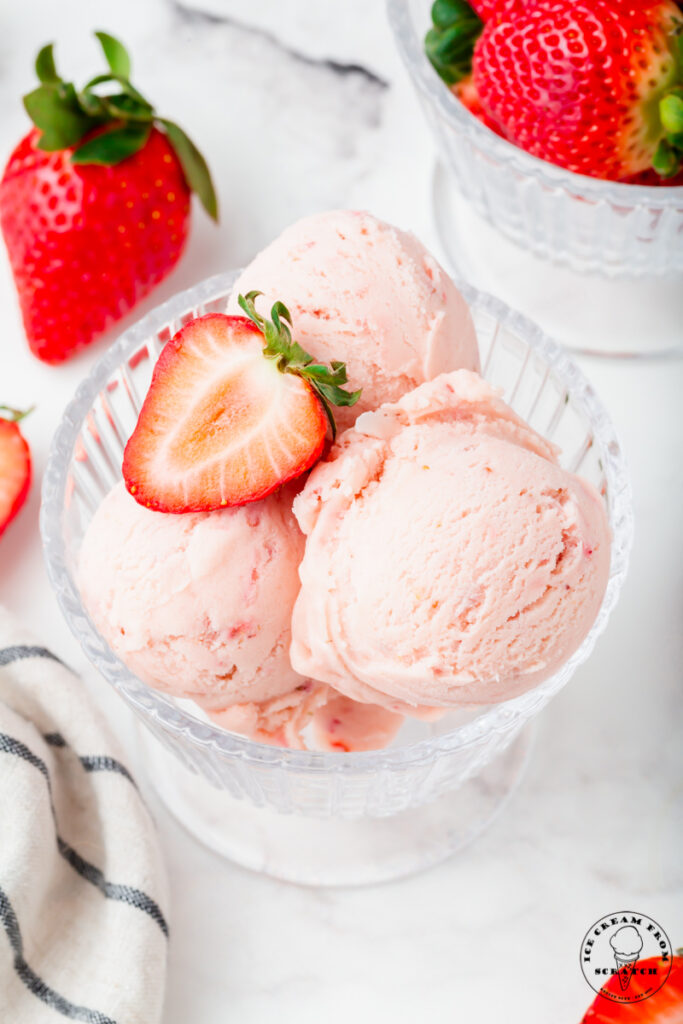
x=668, y=157
x=108, y=120
x=289, y=357
x=449, y=44
x=7, y=412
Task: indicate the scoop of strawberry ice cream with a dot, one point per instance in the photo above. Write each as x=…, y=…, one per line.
x=449, y=559
x=197, y=605
x=365, y=293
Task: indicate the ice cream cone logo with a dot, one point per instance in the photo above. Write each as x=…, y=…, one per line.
x=626, y=957
x=627, y=944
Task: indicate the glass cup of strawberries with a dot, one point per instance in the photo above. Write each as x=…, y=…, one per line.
x=561, y=123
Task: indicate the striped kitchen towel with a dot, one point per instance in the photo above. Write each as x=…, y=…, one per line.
x=83, y=927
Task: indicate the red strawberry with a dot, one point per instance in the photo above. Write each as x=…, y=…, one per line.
x=15, y=466
x=456, y=26
x=484, y=8
x=466, y=91
x=94, y=203
x=487, y=9
x=227, y=420
x=450, y=41
x=589, y=85
x=651, y=177
x=664, y=1007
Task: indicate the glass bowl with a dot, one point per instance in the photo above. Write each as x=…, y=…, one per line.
x=580, y=222
x=326, y=818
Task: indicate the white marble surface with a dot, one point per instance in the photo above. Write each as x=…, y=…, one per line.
x=597, y=825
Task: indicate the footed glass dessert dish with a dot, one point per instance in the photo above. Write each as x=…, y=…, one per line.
x=579, y=222
x=308, y=816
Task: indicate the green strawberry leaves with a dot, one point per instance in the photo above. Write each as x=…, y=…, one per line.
x=113, y=146
x=449, y=44
x=115, y=54
x=290, y=357
x=195, y=169
x=55, y=109
x=669, y=155
x=45, y=65
x=14, y=415
x=108, y=120
x=671, y=113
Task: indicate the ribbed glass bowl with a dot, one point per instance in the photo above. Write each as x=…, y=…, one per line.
x=426, y=762
x=580, y=222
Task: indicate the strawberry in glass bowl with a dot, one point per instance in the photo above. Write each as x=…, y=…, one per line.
x=561, y=122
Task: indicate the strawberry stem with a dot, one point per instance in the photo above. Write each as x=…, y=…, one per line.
x=290, y=357
x=66, y=118
x=14, y=415
x=449, y=44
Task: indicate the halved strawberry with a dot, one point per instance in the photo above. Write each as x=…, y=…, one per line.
x=227, y=420
x=15, y=466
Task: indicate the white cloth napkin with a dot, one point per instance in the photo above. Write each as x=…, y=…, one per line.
x=83, y=925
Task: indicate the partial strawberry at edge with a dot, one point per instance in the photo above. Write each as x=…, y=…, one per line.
x=664, y=1007
x=87, y=242
x=593, y=86
x=15, y=467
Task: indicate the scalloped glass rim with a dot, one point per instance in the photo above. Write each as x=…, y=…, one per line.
x=149, y=703
x=583, y=187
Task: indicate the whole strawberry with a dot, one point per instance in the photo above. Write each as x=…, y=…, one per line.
x=585, y=84
x=94, y=203
x=594, y=86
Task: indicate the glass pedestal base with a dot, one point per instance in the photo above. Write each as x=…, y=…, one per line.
x=616, y=317
x=333, y=851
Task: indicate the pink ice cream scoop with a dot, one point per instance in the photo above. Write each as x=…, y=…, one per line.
x=365, y=293
x=449, y=559
x=197, y=605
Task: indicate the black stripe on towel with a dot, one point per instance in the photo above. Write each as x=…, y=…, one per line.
x=92, y=762
x=35, y=984
x=20, y=651
x=123, y=893
x=54, y=739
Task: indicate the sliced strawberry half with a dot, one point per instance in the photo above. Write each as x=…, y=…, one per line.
x=15, y=466
x=228, y=419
